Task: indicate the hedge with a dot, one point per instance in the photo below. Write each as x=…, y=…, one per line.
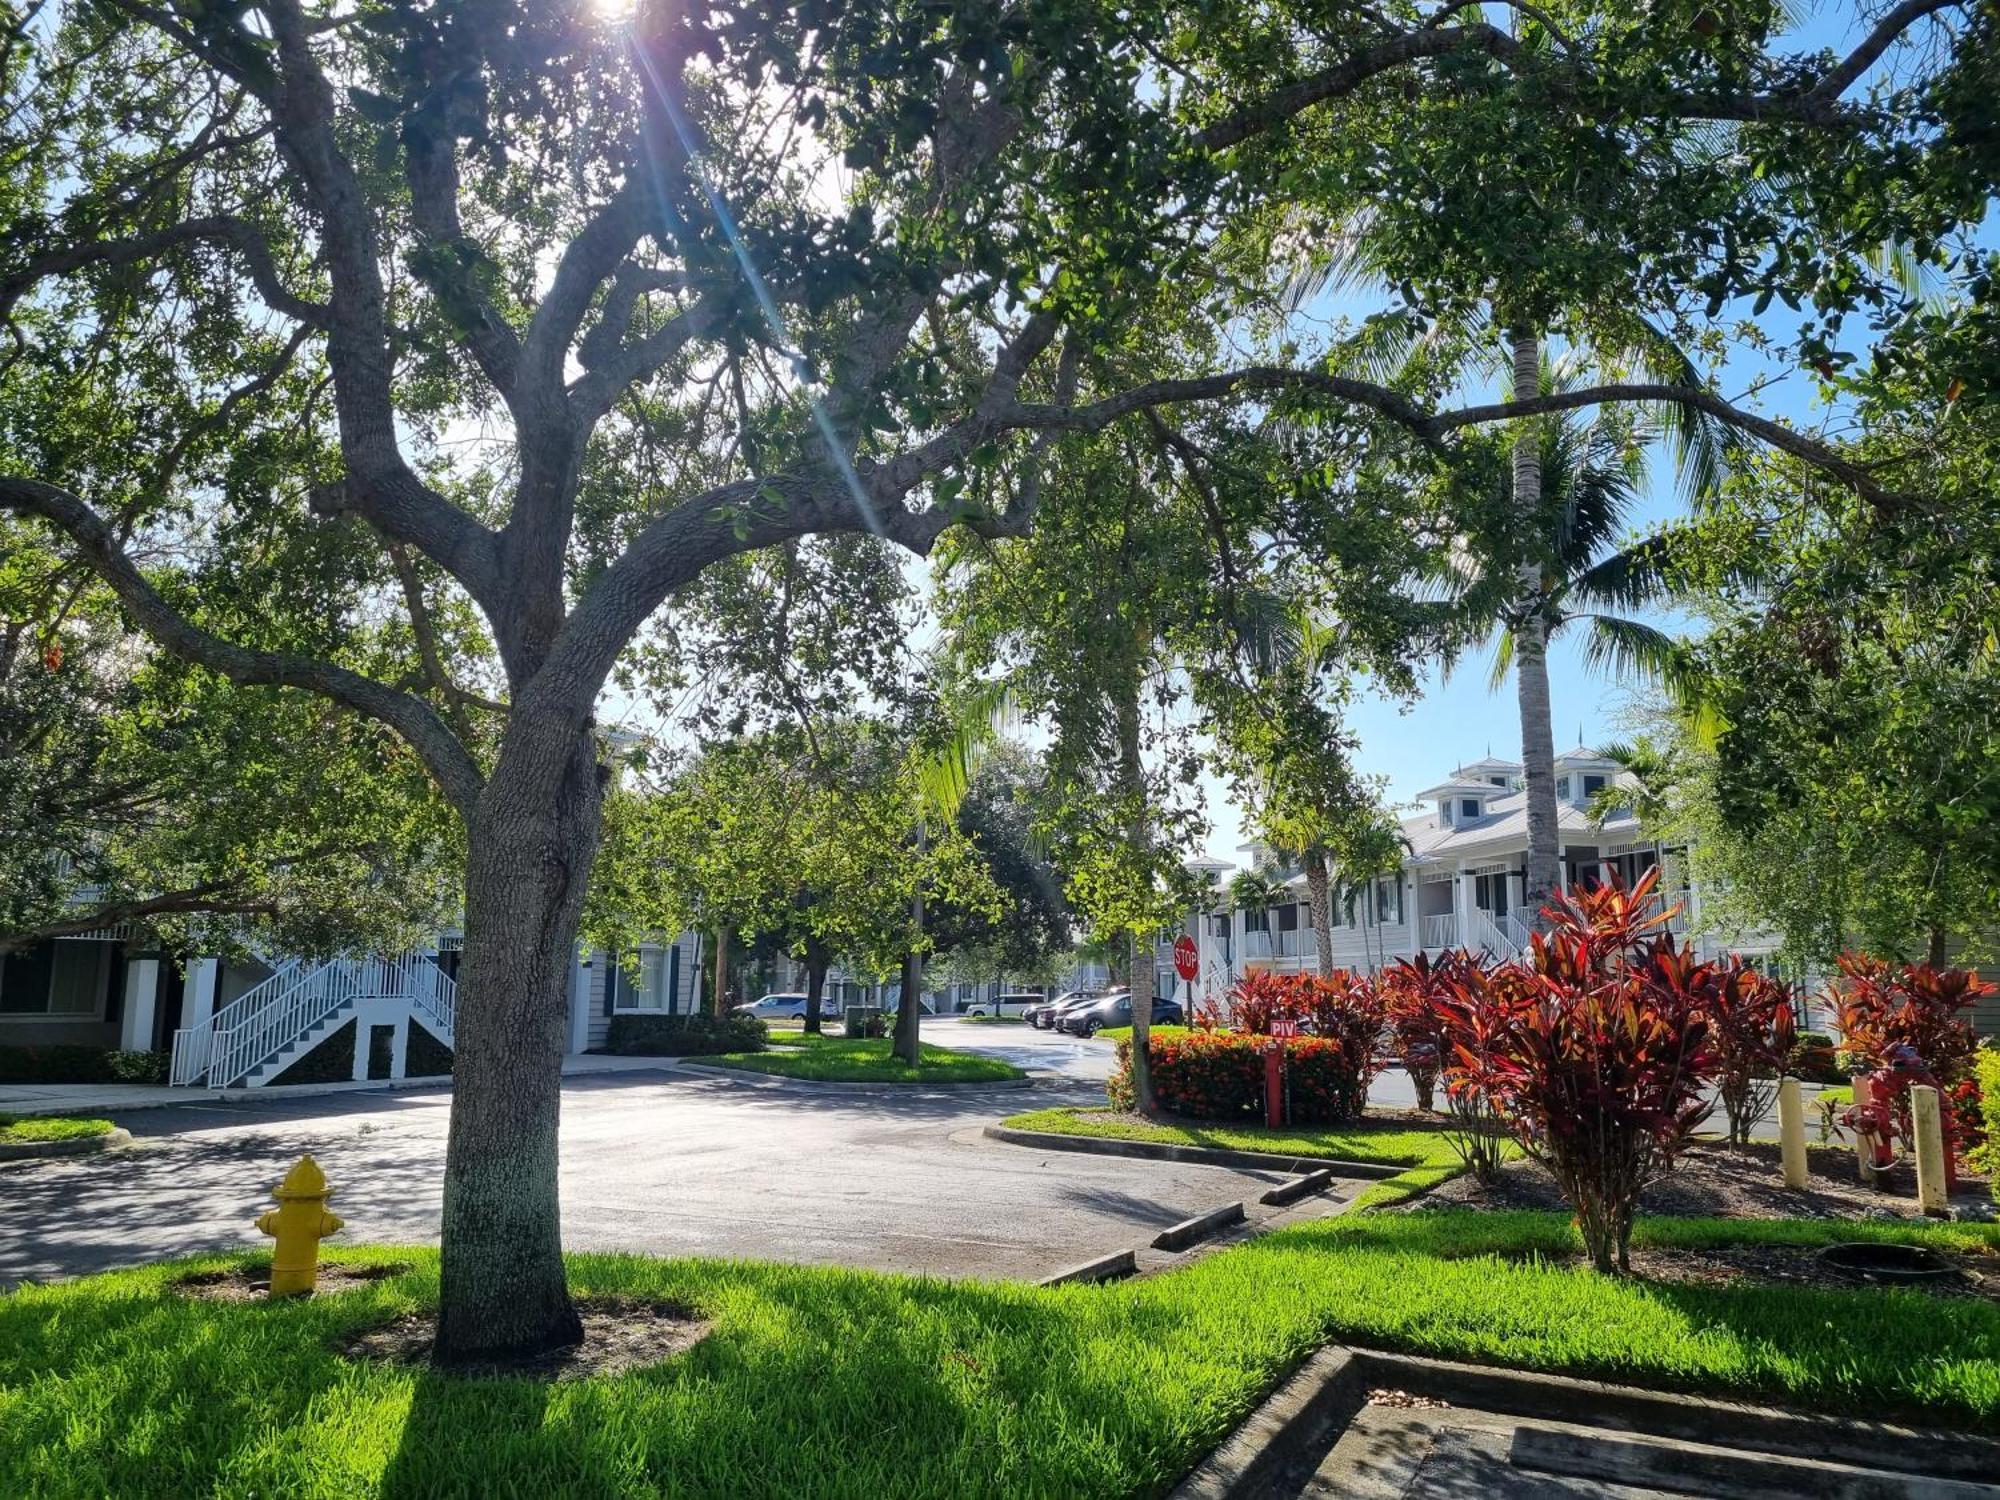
x=1986, y=1069
x=1219, y=1075
x=72, y=1064
x=684, y=1036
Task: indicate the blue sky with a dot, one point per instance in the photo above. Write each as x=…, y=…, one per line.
x=1459, y=719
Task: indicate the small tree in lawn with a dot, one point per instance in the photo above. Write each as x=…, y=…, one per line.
x=1605, y=1057
x=1752, y=1027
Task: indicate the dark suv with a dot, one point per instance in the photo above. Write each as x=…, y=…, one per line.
x=1116, y=1010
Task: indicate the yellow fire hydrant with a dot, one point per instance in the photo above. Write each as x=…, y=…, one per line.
x=298, y=1223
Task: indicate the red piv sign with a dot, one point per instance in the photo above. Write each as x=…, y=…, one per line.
x=1187, y=959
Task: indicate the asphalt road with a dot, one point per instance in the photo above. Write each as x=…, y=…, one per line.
x=657, y=1162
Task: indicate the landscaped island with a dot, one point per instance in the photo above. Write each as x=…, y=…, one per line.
x=827, y=1059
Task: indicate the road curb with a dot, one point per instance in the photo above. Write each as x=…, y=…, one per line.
x=1326, y=1389
x=1118, y=1263
x=84, y=1145
x=1213, y=1156
x=1299, y=1187
x=1200, y=1227
x=812, y=1085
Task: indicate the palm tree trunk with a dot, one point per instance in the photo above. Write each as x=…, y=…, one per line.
x=1319, y=896
x=1531, y=647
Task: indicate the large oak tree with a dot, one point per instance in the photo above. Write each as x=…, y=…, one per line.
x=583, y=306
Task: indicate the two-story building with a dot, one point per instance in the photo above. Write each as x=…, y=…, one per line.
x=1460, y=883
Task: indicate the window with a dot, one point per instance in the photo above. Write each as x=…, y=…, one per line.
x=1468, y=807
x=1256, y=921
x=641, y=985
x=1499, y=781
x=1592, y=785
x=1288, y=919
x=1389, y=899
x=1444, y=813
x=55, y=979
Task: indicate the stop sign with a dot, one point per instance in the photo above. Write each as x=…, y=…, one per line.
x=1187, y=959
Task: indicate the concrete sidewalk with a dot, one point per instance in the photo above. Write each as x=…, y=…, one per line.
x=94, y=1099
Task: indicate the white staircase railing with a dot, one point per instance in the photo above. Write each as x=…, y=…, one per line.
x=194, y=1046
x=434, y=999
x=1482, y=933
x=241, y=1037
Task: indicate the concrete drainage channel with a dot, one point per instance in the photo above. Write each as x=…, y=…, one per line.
x=1367, y=1426
x=1176, y=1239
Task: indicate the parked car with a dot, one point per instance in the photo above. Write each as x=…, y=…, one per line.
x=1116, y=1010
x=1006, y=1005
x=783, y=1008
x=1043, y=1017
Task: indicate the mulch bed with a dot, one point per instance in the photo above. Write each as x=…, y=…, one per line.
x=1714, y=1181
x=253, y=1284
x=619, y=1334
x=1800, y=1265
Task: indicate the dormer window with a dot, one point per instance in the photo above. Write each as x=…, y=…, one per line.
x=1499, y=781
x=1592, y=785
x=1468, y=807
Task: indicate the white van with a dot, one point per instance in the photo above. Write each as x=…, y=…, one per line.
x=1006, y=1005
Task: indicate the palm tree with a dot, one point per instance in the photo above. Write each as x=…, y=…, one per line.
x=1559, y=562
x=1259, y=889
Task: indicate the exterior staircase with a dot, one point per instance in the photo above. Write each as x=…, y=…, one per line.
x=255, y=1037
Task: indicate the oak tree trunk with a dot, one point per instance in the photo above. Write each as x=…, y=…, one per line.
x=719, y=998
x=816, y=963
x=907, y=1044
x=1139, y=945
x=529, y=848
x=1531, y=649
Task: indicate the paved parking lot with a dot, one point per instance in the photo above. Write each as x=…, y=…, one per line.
x=653, y=1161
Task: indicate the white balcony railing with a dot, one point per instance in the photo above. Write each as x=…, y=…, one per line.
x=1441, y=930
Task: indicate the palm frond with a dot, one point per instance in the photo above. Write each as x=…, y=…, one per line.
x=979, y=720
x=1705, y=448
x=1631, y=577
x=1503, y=660
x=1628, y=648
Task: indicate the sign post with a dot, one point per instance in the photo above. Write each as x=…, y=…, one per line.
x=1187, y=963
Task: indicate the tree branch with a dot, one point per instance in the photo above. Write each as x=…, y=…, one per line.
x=223, y=229
x=214, y=897
x=448, y=760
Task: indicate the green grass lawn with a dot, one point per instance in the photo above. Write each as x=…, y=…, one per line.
x=1387, y=1142
x=821, y=1382
x=15, y=1130
x=829, y=1059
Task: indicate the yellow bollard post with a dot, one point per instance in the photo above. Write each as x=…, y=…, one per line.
x=1927, y=1123
x=298, y=1223
x=1864, y=1143
x=1792, y=1132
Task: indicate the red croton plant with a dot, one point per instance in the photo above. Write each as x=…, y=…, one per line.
x=1596, y=1052
x=1892, y=1015
x=1753, y=1027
